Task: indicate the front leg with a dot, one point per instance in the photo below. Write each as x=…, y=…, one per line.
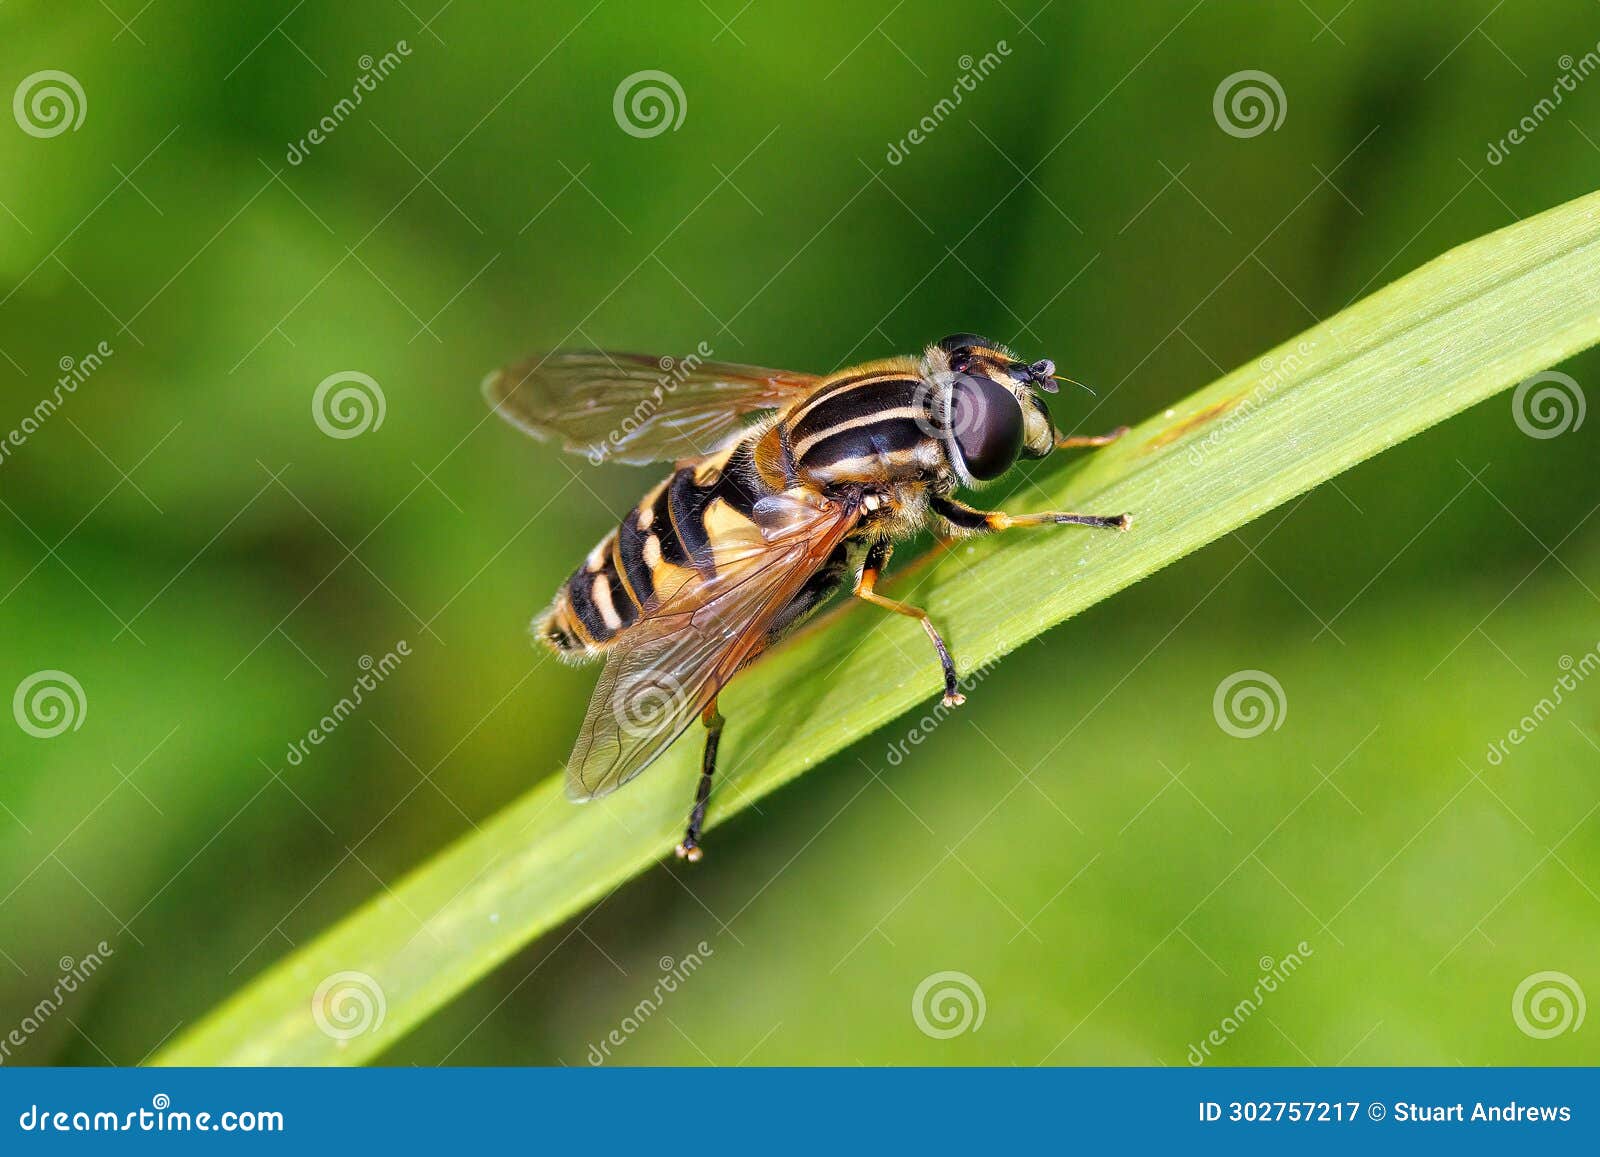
x=960, y=515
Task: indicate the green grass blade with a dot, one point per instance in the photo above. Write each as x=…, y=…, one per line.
x=1469, y=324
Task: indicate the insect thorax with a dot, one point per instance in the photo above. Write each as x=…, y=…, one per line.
x=874, y=428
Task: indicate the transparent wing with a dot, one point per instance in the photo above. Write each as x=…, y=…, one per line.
x=635, y=408
x=664, y=670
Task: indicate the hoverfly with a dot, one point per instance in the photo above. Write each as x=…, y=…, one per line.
x=762, y=517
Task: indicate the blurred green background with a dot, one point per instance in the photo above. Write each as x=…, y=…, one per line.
x=184, y=540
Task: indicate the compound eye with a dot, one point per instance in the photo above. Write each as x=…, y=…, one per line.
x=960, y=341
x=986, y=421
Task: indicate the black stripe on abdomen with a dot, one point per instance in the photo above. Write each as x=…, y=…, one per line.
x=621, y=601
x=590, y=593
x=661, y=526
x=630, y=549
x=737, y=484
x=687, y=501
x=580, y=597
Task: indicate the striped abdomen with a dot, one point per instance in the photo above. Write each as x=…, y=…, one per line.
x=669, y=539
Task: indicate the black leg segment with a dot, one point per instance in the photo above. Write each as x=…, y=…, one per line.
x=690, y=848
x=964, y=517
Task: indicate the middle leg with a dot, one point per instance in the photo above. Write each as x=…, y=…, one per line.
x=877, y=558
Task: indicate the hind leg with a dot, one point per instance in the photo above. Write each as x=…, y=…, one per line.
x=690, y=848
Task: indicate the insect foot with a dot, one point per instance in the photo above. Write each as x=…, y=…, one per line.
x=1108, y=521
x=955, y=699
x=689, y=852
